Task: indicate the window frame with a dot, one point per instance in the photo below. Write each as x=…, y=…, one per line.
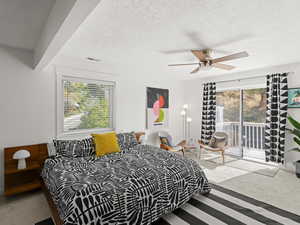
x=60, y=132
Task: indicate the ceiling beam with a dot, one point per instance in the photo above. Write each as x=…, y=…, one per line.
x=64, y=19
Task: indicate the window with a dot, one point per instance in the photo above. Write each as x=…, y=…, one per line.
x=87, y=105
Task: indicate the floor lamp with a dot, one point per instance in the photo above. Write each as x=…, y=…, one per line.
x=183, y=114
x=186, y=122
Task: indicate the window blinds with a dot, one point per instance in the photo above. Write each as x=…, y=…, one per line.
x=87, y=105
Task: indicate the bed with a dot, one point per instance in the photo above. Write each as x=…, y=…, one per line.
x=135, y=186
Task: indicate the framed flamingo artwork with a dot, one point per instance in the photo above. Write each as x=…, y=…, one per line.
x=157, y=108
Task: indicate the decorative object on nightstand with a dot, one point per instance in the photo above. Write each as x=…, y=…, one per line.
x=21, y=156
x=23, y=176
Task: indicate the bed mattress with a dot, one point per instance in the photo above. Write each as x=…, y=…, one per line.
x=136, y=186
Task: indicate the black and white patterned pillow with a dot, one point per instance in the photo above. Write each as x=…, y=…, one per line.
x=75, y=148
x=127, y=140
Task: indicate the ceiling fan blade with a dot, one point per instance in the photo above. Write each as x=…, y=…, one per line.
x=196, y=70
x=183, y=64
x=199, y=54
x=223, y=66
x=231, y=57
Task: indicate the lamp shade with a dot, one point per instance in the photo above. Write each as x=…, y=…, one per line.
x=185, y=106
x=21, y=155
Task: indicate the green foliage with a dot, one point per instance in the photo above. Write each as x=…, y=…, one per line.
x=96, y=117
x=295, y=131
x=295, y=123
x=254, y=105
x=297, y=140
x=89, y=101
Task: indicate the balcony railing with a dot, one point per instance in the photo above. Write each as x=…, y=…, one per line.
x=254, y=134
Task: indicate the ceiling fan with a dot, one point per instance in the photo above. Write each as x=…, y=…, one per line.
x=205, y=60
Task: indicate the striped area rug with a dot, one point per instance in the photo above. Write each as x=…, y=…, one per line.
x=223, y=206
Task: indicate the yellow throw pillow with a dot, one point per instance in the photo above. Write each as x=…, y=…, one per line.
x=106, y=143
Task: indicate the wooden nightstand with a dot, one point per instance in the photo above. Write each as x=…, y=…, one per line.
x=18, y=181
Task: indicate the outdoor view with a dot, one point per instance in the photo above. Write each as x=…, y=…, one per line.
x=254, y=105
x=87, y=105
x=228, y=120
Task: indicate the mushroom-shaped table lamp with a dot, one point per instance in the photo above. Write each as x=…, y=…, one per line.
x=21, y=156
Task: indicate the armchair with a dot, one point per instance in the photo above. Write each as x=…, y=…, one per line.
x=218, y=143
x=167, y=144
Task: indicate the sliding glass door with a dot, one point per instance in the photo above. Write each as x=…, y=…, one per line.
x=254, y=116
x=241, y=114
x=228, y=118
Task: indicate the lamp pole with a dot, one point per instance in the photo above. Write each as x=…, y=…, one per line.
x=183, y=114
x=185, y=117
x=188, y=120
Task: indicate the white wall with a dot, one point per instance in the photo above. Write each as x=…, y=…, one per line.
x=193, y=96
x=28, y=101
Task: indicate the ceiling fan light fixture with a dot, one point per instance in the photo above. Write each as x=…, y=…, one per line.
x=207, y=65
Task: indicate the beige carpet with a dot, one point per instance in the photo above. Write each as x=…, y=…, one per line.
x=213, y=160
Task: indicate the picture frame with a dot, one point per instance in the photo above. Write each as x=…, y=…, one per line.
x=294, y=98
x=157, y=108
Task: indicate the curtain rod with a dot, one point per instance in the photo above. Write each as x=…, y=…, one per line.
x=246, y=78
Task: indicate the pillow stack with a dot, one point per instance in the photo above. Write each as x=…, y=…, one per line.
x=98, y=144
x=127, y=140
x=75, y=148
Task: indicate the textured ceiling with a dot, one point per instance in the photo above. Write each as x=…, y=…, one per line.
x=145, y=36
x=21, y=21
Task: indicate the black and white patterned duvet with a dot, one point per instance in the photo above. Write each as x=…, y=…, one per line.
x=136, y=186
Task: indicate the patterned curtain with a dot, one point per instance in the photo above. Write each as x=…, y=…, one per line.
x=277, y=105
x=208, y=126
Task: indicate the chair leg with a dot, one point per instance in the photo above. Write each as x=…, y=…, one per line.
x=182, y=152
x=223, y=157
x=199, y=155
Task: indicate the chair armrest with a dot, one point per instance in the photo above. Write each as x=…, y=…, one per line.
x=177, y=148
x=201, y=144
x=207, y=147
x=171, y=149
x=166, y=147
x=182, y=143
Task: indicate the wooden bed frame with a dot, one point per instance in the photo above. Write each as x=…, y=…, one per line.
x=52, y=206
